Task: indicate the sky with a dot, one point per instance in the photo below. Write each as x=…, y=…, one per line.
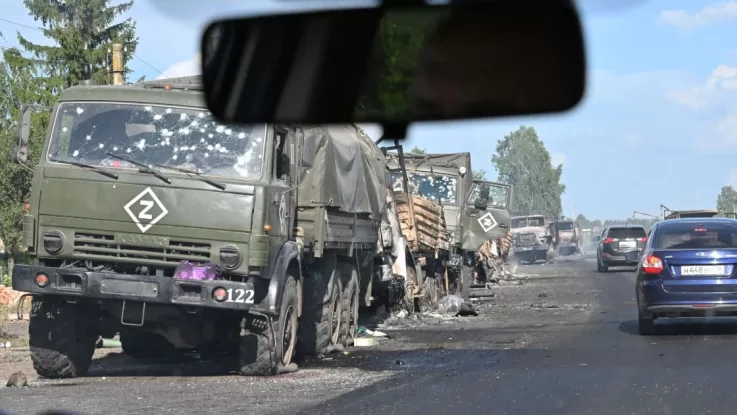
x=658, y=124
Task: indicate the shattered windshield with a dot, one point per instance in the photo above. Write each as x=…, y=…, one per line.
x=565, y=226
x=523, y=222
x=497, y=196
x=186, y=138
x=436, y=187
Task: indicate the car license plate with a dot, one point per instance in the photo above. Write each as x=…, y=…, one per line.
x=702, y=269
x=627, y=244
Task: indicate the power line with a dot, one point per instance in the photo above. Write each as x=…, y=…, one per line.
x=41, y=30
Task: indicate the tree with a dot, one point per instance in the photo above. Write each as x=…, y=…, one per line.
x=418, y=150
x=522, y=160
x=479, y=174
x=84, y=31
x=727, y=199
x=19, y=85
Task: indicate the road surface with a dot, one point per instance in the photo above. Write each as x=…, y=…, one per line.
x=563, y=342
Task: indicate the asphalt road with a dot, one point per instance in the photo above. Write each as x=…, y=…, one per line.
x=563, y=342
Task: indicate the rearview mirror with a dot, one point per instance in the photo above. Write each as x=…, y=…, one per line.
x=397, y=65
x=480, y=203
x=20, y=154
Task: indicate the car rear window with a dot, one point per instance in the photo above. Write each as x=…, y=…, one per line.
x=622, y=233
x=696, y=236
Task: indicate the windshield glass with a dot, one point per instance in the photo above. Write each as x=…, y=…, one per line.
x=187, y=138
x=696, y=236
x=623, y=233
x=498, y=196
x=522, y=222
x=565, y=226
x=436, y=187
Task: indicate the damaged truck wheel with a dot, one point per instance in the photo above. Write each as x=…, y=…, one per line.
x=349, y=326
x=62, y=338
x=267, y=349
x=319, y=326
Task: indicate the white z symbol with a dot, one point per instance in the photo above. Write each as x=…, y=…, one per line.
x=149, y=204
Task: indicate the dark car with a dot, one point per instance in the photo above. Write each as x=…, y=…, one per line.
x=688, y=270
x=620, y=246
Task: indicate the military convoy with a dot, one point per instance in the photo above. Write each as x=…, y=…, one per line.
x=150, y=219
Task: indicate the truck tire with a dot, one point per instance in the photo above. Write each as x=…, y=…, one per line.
x=431, y=292
x=319, y=327
x=264, y=352
x=349, y=326
x=465, y=280
x=61, y=338
x=140, y=344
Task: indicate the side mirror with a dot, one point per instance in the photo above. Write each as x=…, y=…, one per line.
x=20, y=154
x=24, y=129
x=309, y=149
x=596, y=238
x=480, y=203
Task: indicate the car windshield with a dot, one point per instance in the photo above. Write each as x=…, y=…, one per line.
x=565, y=226
x=696, y=236
x=436, y=187
x=624, y=233
x=497, y=196
x=187, y=138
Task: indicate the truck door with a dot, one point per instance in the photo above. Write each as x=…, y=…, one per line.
x=481, y=223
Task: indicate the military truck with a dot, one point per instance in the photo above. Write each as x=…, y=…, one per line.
x=474, y=211
x=566, y=237
x=150, y=218
x=531, y=240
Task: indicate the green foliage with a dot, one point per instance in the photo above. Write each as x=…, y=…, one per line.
x=83, y=31
x=584, y=222
x=479, y=175
x=522, y=160
x=418, y=150
x=391, y=72
x=727, y=199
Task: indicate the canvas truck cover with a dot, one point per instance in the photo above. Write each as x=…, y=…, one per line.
x=348, y=171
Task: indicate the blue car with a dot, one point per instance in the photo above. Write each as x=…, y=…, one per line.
x=687, y=269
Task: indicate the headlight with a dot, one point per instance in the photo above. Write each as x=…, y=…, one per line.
x=53, y=242
x=230, y=257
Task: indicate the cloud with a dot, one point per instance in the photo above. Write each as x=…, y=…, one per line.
x=713, y=13
x=189, y=67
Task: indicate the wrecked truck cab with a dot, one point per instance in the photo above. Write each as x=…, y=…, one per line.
x=150, y=218
x=531, y=240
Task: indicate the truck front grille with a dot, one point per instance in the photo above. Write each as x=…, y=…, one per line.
x=102, y=247
x=525, y=239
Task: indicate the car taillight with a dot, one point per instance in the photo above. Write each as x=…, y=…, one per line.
x=643, y=239
x=652, y=265
x=608, y=240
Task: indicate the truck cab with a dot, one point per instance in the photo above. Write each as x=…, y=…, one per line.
x=531, y=240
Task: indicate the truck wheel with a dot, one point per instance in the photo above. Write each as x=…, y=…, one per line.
x=61, y=338
x=140, y=344
x=349, y=326
x=319, y=327
x=431, y=292
x=465, y=280
x=264, y=350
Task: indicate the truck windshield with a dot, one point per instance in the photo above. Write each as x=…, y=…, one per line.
x=565, y=226
x=436, y=187
x=187, y=138
x=522, y=222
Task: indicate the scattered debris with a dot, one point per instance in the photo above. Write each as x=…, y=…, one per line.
x=17, y=379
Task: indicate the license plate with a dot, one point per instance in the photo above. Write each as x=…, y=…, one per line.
x=702, y=270
x=627, y=244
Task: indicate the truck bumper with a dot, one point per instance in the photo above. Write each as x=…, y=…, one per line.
x=139, y=288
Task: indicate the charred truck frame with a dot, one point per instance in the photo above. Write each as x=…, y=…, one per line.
x=149, y=218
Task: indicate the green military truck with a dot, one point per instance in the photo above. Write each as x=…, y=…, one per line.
x=150, y=218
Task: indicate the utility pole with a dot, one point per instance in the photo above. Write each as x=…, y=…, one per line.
x=118, y=77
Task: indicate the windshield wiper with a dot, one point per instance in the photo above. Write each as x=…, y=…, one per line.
x=87, y=166
x=143, y=168
x=197, y=174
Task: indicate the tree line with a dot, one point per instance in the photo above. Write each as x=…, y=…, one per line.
x=81, y=34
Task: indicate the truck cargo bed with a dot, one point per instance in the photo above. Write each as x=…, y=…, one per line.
x=328, y=228
x=424, y=228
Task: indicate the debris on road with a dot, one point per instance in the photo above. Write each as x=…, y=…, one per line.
x=17, y=379
x=456, y=306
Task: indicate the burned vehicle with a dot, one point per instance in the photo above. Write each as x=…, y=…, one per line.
x=566, y=237
x=531, y=240
x=150, y=218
